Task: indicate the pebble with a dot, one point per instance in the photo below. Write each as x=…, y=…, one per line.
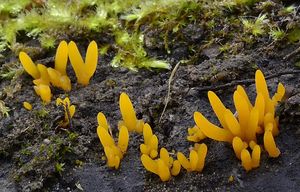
x=46, y=141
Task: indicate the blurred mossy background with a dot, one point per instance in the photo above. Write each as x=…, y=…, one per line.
x=123, y=26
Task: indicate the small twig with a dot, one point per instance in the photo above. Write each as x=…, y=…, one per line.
x=169, y=90
x=246, y=81
x=46, y=60
x=296, y=51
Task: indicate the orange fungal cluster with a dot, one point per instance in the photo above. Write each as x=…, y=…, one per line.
x=196, y=158
x=113, y=152
x=163, y=165
x=241, y=130
x=45, y=76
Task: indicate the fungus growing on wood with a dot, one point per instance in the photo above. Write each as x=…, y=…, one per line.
x=270, y=144
x=44, y=92
x=43, y=76
x=101, y=119
x=84, y=70
x=196, y=159
x=251, y=120
x=114, y=153
x=61, y=58
x=59, y=80
x=128, y=115
x=248, y=161
x=164, y=167
x=29, y=66
x=195, y=134
x=40, y=71
x=150, y=145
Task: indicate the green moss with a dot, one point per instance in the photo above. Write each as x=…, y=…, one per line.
x=59, y=167
x=42, y=113
x=277, y=34
x=294, y=35
x=47, y=41
x=10, y=70
x=52, y=156
x=127, y=21
x=13, y=7
x=132, y=54
x=297, y=64
x=255, y=27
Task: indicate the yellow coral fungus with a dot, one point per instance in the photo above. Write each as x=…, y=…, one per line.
x=83, y=70
x=243, y=111
x=241, y=152
x=68, y=108
x=196, y=159
x=113, y=152
x=128, y=115
x=218, y=107
x=105, y=138
x=123, y=139
x=246, y=159
x=250, y=161
x=210, y=130
x=113, y=160
x=250, y=118
x=243, y=93
x=44, y=76
x=27, y=105
x=44, y=92
x=241, y=129
x=175, y=170
x=279, y=94
x=29, y=66
x=164, y=166
x=260, y=104
x=270, y=144
x=150, y=145
x=195, y=134
x=61, y=58
x=238, y=146
x=261, y=85
x=250, y=132
x=255, y=156
x=102, y=121
x=233, y=123
x=59, y=80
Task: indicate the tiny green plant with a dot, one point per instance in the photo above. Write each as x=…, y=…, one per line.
x=59, y=168
x=277, y=34
x=256, y=27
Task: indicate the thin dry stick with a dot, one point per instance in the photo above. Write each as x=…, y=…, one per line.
x=169, y=90
x=46, y=60
x=295, y=52
x=246, y=81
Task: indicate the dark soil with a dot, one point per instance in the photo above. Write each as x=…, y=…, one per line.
x=31, y=144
